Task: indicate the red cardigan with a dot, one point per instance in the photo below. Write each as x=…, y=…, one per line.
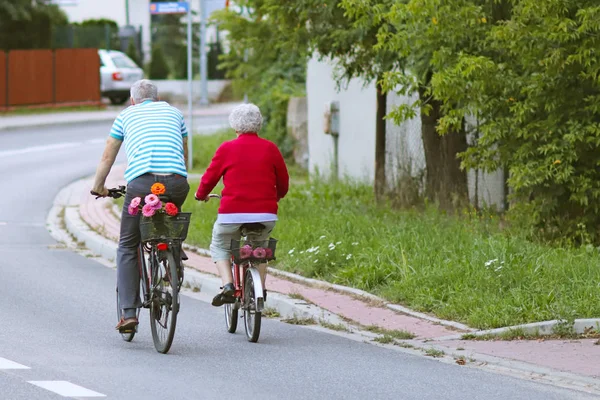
x=254, y=174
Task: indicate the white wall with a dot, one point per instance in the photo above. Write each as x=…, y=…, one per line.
x=404, y=145
x=357, y=123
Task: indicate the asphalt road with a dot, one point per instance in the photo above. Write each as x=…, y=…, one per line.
x=58, y=312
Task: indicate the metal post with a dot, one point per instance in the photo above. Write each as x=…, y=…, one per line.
x=203, y=57
x=191, y=89
x=127, y=12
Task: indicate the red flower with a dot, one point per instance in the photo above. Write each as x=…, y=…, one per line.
x=171, y=209
x=269, y=252
x=259, y=252
x=246, y=251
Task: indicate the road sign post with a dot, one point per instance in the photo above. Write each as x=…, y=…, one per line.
x=203, y=57
x=183, y=7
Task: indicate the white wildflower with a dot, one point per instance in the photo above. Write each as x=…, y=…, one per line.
x=322, y=237
x=312, y=249
x=336, y=243
x=349, y=256
x=331, y=246
x=490, y=262
x=354, y=243
x=291, y=251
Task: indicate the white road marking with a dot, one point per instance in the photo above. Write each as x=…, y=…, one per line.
x=7, y=364
x=66, y=389
x=48, y=147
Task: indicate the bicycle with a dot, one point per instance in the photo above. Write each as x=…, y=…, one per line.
x=249, y=291
x=161, y=278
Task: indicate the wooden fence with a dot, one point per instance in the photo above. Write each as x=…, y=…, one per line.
x=49, y=77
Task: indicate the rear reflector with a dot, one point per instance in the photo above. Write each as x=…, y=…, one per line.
x=162, y=246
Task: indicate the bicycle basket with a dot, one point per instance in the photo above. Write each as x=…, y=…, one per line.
x=163, y=227
x=259, y=251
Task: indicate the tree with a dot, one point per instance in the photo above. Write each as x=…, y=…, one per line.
x=262, y=65
x=28, y=24
x=132, y=52
x=540, y=111
x=159, y=69
x=410, y=31
x=333, y=33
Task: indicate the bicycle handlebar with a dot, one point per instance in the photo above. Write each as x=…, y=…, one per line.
x=115, y=193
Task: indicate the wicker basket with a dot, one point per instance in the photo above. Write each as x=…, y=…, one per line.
x=165, y=227
x=236, y=245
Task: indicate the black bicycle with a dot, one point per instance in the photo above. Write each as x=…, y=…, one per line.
x=161, y=272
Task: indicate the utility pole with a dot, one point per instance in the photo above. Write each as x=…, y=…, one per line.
x=191, y=89
x=127, y=12
x=203, y=57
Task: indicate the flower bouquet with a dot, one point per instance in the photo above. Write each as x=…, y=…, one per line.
x=257, y=251
x=160, y=220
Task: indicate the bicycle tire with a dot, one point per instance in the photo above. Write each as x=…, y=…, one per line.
x=231, y=312
x=252, y=318
x=163, y=332
x=128, y=337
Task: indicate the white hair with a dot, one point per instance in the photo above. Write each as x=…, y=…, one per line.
x=246, y=118
x=144, y=90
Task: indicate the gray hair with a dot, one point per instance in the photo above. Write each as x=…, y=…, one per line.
x=144, y=90
x=246, y=118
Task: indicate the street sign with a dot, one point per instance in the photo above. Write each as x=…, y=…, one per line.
x=174, y=7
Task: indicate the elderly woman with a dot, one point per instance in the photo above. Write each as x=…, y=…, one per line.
x=255, y=179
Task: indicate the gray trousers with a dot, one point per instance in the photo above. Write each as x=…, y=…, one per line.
x=128, y=272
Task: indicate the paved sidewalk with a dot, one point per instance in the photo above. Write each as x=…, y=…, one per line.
x=564, y=359
x=107, y=115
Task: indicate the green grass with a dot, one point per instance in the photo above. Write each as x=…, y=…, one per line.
x=396, y=334
x=295, y=320
x=385, y=339
x=462, y=268
x=205, y=146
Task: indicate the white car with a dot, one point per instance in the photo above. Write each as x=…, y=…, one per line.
x=117, y=73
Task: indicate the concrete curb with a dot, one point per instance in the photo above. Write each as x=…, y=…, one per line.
x=352, y=292
x=543, y=328
x=13, y=126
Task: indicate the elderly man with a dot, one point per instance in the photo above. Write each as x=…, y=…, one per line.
x=155, y=138
x=255, y=179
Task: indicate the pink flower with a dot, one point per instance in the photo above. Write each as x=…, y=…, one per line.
x=135, y=202
x=133, y=210
x=152, y=200
x=171, y=209
x=246, y=251
x=158, y=206
x=269, y=253
x=259, y=252
x=148, y=210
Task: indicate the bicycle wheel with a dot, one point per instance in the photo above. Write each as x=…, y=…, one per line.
x=165, y=301
x=251, y=316
x=231, y=312
x=128, y=337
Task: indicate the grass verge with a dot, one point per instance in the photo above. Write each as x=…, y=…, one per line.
x=458, y=267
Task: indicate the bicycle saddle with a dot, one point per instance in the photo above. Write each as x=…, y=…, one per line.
x=252, y=228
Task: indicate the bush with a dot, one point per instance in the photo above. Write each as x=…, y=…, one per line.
x=159, y=69
x=132, y=52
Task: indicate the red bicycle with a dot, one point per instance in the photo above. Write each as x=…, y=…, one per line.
x=246, y=255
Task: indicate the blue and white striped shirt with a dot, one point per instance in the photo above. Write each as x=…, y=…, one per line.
x=153, y=134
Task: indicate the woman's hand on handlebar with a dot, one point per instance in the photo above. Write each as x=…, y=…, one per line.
x=216, y=196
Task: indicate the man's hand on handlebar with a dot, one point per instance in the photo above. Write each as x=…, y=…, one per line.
x=114, y=193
